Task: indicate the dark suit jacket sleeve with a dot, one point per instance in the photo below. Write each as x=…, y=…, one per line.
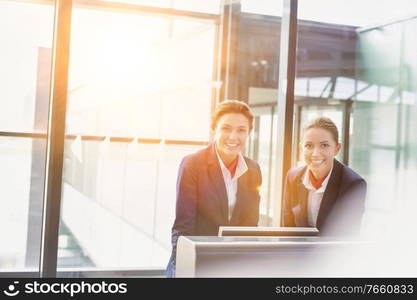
x=186, y=207
x=287, y=214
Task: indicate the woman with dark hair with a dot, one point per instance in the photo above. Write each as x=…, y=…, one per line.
x=325, y=193
x=218, y=186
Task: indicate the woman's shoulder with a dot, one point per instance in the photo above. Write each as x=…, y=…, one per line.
x=200, y=158
x=195, y=157
x=295, y=172
x=349, y=175
x=252, y=164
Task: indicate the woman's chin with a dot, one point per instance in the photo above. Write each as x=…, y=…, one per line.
x=232, y=153
x=316, y=169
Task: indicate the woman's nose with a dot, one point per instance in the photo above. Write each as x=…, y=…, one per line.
x=316, y=151
x=233, y=135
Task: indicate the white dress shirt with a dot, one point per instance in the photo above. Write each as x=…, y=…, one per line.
x=314, y=197
x=231, y=183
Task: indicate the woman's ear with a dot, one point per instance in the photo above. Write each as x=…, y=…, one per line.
x=338, y=147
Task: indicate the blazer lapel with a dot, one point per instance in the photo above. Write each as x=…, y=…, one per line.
x=216, y=177
x=330, y=195
x=301, y=218
x=241, y=196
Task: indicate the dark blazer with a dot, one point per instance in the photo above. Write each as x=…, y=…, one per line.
x=202, y=203
x=341, y=208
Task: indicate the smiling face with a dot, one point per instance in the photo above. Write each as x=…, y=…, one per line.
x=230, y=136
x=319, y=149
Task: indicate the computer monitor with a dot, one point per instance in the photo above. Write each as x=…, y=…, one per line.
x=267, y=231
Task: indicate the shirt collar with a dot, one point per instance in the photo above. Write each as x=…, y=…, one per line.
x=307, y=183
x=241, y=167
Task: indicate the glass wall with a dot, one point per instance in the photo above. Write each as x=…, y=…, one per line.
x=384, y=148
x=365, y=71
x=144, y=77
x=25, y=60
x=250, y=67
x=139, y=99
x=356, y=65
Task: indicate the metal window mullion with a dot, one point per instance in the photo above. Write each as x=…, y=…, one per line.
x=347, y=111
x=56, y=137
x=287, y=69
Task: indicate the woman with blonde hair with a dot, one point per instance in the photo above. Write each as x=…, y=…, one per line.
x=324, y=193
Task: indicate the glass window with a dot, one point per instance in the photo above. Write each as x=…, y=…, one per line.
x=25, y=60
x=251, y=44
x=368, y=51
x=262, y=7
x=139, y=100
x=201, y=6
x=25, y=65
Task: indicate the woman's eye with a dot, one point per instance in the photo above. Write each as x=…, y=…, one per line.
x=307, y=146
x=324, y=145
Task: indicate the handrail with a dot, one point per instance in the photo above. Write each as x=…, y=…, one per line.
x=101, y=138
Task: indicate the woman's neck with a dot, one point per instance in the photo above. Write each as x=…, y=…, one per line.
x=320, y=175
x=226, y=159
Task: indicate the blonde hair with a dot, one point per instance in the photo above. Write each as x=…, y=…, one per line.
x=323, y=123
